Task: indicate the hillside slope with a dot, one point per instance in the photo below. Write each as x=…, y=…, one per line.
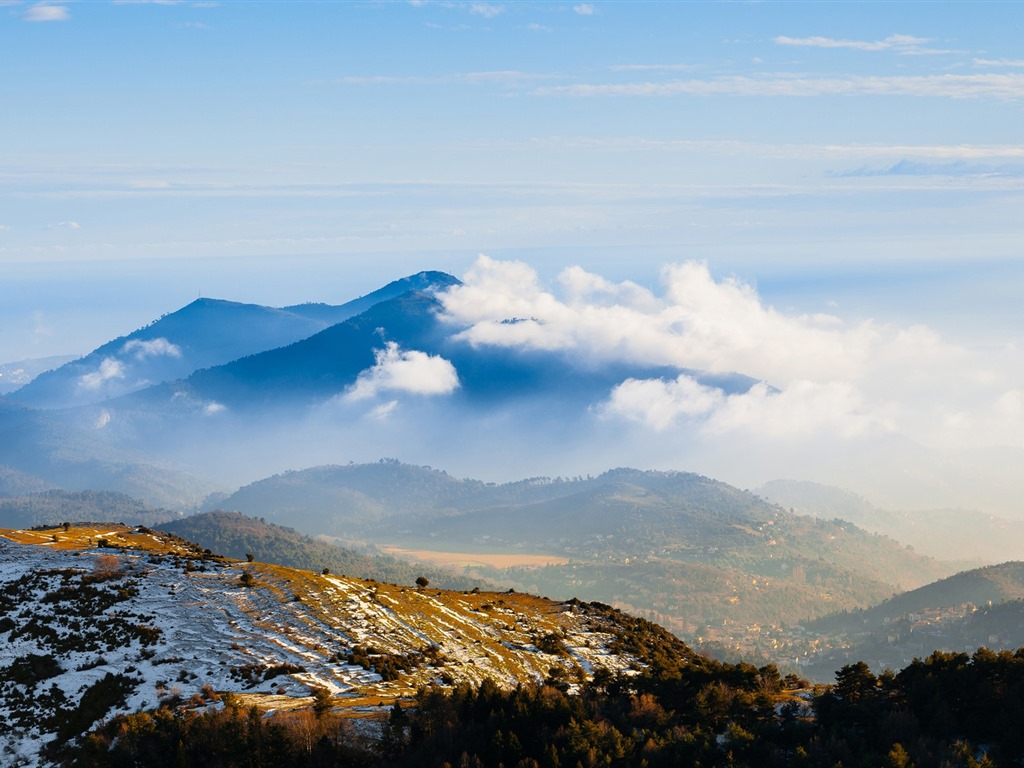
x=697, y=555
x=237, y=536
x=91, y=630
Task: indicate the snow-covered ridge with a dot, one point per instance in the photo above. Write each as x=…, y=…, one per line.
x=87, y=631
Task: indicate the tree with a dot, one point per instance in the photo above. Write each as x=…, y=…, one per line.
x=422, y=582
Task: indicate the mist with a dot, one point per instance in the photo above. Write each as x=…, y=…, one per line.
x=615, y=374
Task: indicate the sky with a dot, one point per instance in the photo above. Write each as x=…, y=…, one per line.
x=842, y=180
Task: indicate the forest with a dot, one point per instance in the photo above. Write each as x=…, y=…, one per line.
x=949, y=710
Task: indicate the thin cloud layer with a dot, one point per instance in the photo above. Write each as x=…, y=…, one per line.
x=46, y=12
x=409, y=371
x=904, y=44
x=1008, y=86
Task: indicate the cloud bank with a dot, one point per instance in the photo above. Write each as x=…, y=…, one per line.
x=822, y=377
x=409, y=371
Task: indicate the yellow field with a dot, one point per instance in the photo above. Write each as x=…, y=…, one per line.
x=476, y=559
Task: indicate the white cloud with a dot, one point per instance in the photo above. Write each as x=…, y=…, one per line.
x=900, y=43
x=110, y=368
x=103, y=419
x=698, y=323
x=998, y=62
x=411, y=371
x=583, y=9
x=651, y=67
x=1008, y=86
x=72, y=225
x=802, y=410
x=384, y=410
x=487, y=10
x=212, y=408
x=160, y=347
x=822, y=377
x=659, y=404
x=46, y=12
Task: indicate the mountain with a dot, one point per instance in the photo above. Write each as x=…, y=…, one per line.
x=236, y=391
x=983, y=607
x=962, y=535
x=41, y=447
x=704, y=558
x=205, y=333
x=237, y=536
x=103, y=620
x=55, y=506
x=19, y=373
x=978, y=587
x=14, y=482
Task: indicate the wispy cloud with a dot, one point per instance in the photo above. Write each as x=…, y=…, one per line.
x=651, y=67
x=46, y=12
x=70, y=225
x=509, y=77
x=584, y=9
x=902, y=44
x=956, y=168
x=487, y=10
x=998, y=62
x=992, y=85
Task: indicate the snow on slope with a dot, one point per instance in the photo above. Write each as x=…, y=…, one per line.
x=170, y=621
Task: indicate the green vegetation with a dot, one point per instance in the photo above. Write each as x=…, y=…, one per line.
x=946, y=711
x=53, y=507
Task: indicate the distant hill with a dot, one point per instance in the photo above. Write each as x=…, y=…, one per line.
x=970, y=610
x=13, y=482
x=948, y=534
x=680, y=547
x=61, y=453
x=205, y=333
x=17, y=374
x=235, y=535
x=53, y=507
x=979, y=587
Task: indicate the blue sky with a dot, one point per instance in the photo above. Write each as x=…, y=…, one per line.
x=862, y=159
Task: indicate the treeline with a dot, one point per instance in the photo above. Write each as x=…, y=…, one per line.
x=947, y=711
x=53, y=507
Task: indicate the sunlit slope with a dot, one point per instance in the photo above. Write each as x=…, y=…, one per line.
x=684, y=549
x=95, y=620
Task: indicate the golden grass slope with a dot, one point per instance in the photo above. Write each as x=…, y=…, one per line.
x=274, y=641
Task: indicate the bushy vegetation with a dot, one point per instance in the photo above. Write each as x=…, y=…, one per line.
x=947, y=711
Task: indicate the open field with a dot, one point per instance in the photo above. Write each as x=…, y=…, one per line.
x=477, y=559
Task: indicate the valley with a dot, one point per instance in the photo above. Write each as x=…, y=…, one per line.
x=351, y=587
